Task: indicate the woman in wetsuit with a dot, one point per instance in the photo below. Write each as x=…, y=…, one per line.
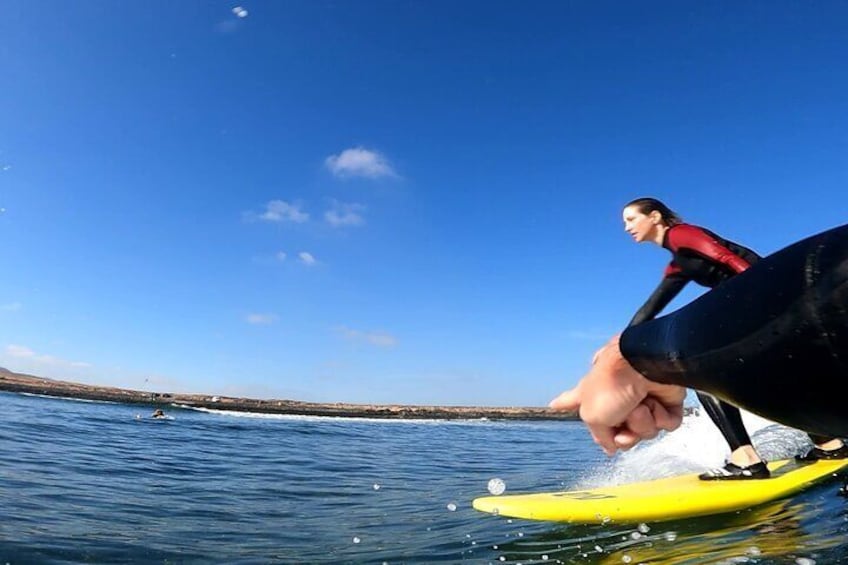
x=703, y=257
x=772, y=340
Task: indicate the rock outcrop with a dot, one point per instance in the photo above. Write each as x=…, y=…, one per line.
x=17, y=382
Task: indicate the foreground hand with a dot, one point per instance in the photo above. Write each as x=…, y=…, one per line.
x=619, y=405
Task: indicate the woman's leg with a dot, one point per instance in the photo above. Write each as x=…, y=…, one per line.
x=743, y=456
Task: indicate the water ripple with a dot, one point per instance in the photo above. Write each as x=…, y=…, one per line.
x=89, y=482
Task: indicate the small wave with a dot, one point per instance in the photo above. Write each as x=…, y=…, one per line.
x=71, y=398
x=314, y=418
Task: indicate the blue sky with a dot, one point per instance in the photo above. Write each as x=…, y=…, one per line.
x=385, y=201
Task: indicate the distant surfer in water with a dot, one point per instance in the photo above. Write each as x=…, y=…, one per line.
x=158, y=413
x=701, y=256
x=772, y=339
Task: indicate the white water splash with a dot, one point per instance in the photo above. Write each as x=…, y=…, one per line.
x=695, y=446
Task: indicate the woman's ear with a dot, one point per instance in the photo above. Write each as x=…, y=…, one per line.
x=656, y=217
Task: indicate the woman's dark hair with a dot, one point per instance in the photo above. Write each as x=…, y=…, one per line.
x=648, y=205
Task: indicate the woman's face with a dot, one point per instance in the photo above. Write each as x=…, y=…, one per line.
x=641, y=227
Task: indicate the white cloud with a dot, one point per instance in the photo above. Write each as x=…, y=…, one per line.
x=19, y=351
x=280, y=256
x=25, y=353
x=282, y=211
x=12, y=306
x=261, y=319
x=306, y=258
x=377, y=339
x=343, y=214
x=360, y=162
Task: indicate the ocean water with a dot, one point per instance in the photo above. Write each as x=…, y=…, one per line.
x=84, y=482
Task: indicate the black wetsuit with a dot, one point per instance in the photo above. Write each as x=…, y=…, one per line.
x=700, y=255
x=772, y=340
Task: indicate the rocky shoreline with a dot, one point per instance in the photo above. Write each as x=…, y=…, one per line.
x=21, y=383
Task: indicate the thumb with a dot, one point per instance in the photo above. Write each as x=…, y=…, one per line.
x=568, y=401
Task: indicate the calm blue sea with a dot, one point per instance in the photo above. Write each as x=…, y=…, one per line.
x=84, y=482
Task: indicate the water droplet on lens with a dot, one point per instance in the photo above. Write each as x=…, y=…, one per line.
x=356, y=539
x=496, y=486
x=626, y=558
x=599, y=549
x=635, y=535
x=452, y=506
x=376, y=486
x=644, y=528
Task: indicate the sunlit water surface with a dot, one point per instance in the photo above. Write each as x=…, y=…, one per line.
x=84, y=482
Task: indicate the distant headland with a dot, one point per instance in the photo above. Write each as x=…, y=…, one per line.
x=18, y=382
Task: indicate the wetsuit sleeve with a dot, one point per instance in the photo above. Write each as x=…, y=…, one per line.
x=690, y=237
x=669, y=287
x=773, y=340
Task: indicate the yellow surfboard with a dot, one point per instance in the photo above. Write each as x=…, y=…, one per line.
x=662, y=499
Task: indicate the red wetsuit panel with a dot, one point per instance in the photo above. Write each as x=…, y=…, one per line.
x=685, y=236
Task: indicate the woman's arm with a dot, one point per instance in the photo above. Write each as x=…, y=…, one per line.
x=669, y=287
